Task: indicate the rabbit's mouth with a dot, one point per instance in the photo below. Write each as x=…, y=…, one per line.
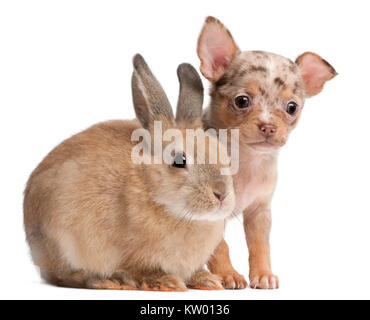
x=214, y=216
x=200, y=207
x=221, y=212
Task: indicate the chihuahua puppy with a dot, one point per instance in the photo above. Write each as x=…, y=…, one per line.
x=261, y=94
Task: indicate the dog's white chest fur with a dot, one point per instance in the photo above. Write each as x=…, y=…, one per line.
x=247, y=191
x=254, y=181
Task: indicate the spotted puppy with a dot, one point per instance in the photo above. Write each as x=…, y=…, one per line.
x=261, y=94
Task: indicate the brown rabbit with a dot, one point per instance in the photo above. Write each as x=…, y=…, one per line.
x=94, y=219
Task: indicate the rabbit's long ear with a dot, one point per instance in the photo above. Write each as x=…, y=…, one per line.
x=150, y=101
x=189, y=105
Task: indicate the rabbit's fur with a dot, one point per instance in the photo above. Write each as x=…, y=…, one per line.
x=95, y=219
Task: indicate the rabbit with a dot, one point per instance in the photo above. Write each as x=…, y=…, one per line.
x=94, y=219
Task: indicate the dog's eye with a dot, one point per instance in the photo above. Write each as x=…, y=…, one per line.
x=242, y=101
x=291, y=108
x=179, y=160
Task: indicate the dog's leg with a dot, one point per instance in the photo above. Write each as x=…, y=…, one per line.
x=220, y=264
x=257, y=226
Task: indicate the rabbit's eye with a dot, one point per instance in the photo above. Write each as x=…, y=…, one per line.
x=179, y=160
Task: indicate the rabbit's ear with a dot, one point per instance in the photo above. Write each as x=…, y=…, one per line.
x=189, y=105
x=150, y=101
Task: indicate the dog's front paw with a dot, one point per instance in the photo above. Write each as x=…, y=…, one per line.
x=233, y=281
x=264, y=281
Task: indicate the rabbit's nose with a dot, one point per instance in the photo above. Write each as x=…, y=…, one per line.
x=219, y=190
x=219, y=196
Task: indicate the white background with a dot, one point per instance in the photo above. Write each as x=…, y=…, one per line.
x=65, y=65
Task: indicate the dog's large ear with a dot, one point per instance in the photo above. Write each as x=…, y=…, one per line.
x=216, y=49
x=190, y=102
x=315, y=72
x=150, y=101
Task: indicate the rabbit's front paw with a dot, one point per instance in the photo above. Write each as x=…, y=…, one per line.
x=203, y=280
x=108, y=284
x=163, y=283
